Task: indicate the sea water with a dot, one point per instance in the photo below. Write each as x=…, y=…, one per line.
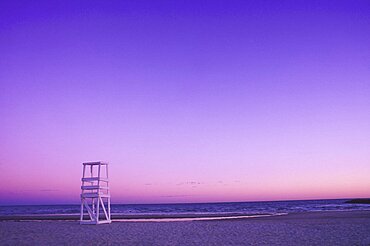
x=201, y=209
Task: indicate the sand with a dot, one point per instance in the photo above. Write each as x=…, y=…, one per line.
x=311, y=228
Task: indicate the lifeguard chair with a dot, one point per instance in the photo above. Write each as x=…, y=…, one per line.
x=95, y=193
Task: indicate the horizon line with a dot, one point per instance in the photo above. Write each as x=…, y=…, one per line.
x=174, y=203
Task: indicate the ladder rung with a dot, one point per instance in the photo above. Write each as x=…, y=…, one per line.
x=94, y=179
x=94, y=187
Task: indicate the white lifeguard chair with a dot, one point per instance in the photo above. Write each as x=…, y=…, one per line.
x=95, y=193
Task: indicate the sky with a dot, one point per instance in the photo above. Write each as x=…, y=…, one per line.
x=188, y=101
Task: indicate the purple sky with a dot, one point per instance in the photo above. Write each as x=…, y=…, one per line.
x=189, y=101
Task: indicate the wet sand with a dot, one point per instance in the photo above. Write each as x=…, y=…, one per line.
x=311, y=228
x=129, y=217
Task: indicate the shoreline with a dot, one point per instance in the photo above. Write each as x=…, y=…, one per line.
x=134, y=217
x=178, y=217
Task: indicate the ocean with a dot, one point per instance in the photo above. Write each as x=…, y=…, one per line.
x=194, y=209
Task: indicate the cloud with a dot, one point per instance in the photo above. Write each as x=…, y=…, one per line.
x=176, y=196
x=190, y=183
x=30, y=190
x=21, y=191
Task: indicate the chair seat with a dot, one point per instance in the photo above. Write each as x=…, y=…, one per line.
x=94, y=187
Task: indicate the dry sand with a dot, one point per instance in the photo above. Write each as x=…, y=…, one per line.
x=313, y=228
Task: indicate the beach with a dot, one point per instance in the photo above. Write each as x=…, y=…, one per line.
x=305, y=228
